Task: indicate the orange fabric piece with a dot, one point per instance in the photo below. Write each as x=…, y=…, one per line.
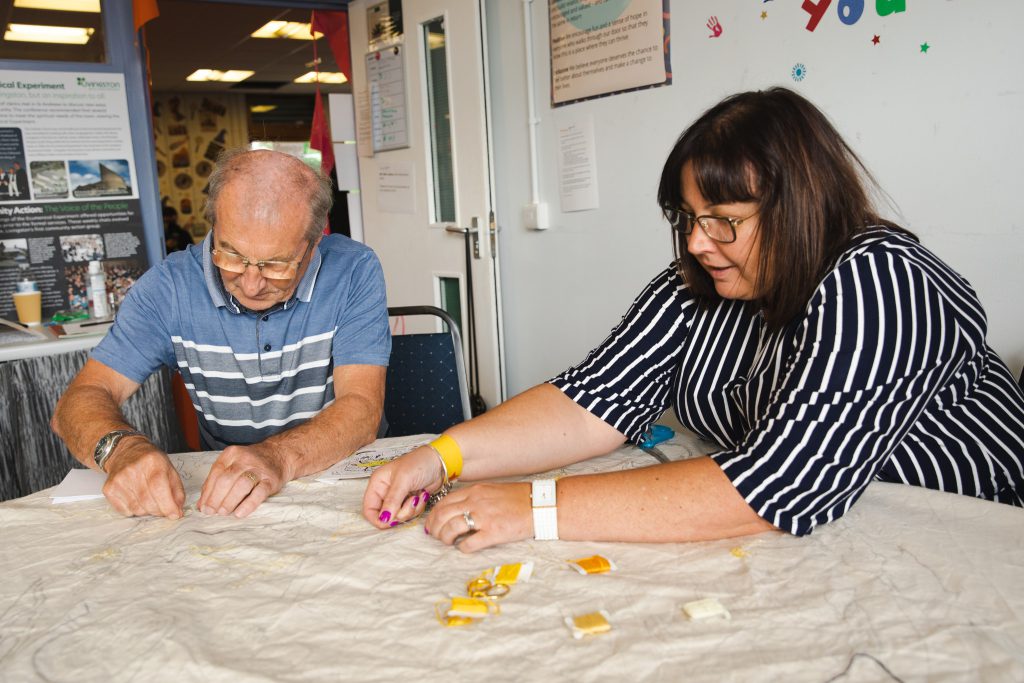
x=144, y=10
x=186, y=412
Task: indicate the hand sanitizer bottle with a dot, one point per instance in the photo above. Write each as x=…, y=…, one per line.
x=98, y=287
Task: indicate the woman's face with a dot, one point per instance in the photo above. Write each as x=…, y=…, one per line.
x=732, y=266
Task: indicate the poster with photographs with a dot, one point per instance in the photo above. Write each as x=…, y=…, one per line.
x=190, y=131
x=68, y=190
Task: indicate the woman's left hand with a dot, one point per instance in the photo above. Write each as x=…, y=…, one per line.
x=499, y=513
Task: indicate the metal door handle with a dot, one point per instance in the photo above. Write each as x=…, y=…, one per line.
x=461, y=231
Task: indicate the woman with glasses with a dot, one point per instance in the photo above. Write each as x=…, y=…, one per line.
x=823, y=347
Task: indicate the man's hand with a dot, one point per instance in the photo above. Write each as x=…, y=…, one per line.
x=142, y=481
x=241, y=479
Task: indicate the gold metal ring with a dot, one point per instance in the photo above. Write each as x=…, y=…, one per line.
x=497, y=591
x=477, y=588
x=253, y=477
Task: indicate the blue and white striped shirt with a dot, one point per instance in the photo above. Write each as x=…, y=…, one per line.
x=886, y=375
x=252, y=374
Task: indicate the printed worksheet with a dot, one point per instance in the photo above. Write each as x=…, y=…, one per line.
x=363, y=462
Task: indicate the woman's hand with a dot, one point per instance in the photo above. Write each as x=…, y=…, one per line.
x=500, y=513
x=399, y=490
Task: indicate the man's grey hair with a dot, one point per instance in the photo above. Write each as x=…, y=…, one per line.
x=275, y=176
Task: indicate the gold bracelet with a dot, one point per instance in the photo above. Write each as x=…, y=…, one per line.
x=451, y=455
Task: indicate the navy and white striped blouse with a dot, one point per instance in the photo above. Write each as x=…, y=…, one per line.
x=885, y=376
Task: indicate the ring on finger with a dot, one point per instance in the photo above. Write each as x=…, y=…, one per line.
x=470, y=522
x=253, y=477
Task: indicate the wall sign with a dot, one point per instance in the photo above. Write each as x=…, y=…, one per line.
x=389, y=116
x=68, y=189
x=607, y=48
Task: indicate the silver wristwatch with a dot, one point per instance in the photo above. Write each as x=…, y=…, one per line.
x=108, y=442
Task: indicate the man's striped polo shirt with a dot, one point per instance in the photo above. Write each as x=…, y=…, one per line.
x=252, y=374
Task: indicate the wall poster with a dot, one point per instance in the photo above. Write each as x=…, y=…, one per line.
x=68, y=189
x=189, y=131
x=606, y=48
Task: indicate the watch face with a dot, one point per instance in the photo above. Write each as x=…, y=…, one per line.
x=106, y=445
x=103, y=447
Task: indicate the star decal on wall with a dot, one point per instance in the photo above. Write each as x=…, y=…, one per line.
x=764, y=15
x=876, y=40
x=924, y=47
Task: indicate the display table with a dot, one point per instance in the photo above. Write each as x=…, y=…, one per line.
x=32, y=378
x=927, y=585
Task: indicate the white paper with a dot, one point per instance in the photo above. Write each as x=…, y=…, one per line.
x=363, y=462
x=395, y=192
x=364, y=123
x=577, y=165
x=79, y=485
x=343, y=117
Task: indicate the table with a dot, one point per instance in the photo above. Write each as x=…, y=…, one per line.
x=928, y=585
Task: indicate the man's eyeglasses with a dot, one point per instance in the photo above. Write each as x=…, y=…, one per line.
x=272, y=270
x=719, y=228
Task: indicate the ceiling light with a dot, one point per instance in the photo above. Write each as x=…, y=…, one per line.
x=284, y=29
x=60, y=5
x=231, y=76
x=325, y=77
x=262, y=108
x=34, y=33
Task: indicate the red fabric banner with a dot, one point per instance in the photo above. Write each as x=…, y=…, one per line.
x=334, y=26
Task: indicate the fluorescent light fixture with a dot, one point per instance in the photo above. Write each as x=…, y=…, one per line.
x=284, y=29
x=34, y=33
x=325, y=77
x=262, y=108
x=60, y=5
x=231, y=76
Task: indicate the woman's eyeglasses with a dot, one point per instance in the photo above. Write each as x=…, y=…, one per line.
x=719, y=228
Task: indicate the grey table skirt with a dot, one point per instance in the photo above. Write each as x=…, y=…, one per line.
x=31, y=456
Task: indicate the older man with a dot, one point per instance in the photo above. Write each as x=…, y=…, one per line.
x=281, y=335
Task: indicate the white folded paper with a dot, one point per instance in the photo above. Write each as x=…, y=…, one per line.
x=79, y=485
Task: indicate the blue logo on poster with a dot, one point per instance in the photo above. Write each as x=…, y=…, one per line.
x=587, y=15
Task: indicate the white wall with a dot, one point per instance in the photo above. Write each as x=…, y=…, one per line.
x=941, y=131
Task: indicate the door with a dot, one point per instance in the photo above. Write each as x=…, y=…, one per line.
x=426, y=179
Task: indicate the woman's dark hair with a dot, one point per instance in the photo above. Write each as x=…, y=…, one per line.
x=775, y=148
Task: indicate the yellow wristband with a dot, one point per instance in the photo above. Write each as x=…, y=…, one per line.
x=451, y=455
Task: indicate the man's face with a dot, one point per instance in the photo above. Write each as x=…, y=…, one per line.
x=243, y=232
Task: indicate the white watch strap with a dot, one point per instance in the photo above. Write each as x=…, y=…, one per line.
x=544, y=493
x=545, y=512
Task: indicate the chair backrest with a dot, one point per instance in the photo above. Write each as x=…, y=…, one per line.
x=426, y=390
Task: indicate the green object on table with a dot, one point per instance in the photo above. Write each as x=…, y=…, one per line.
x=69, y=316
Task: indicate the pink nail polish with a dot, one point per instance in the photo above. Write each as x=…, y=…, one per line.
x=384, y=516
x=395, y=523
x=416, y=500
x=426, y=531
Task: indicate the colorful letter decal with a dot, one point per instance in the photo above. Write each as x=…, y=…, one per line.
x=816, y=10
x=850, y=11
x=887, y=7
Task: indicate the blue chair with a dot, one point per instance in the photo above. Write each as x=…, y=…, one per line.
x=426, y=390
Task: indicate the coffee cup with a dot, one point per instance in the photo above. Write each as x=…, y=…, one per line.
x=30, y=307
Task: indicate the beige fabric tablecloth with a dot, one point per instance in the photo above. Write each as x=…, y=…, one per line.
x=927, y=585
